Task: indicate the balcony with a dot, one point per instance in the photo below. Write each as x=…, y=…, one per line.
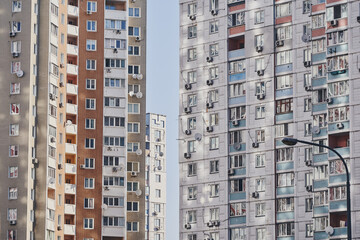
x=239, y=171
x=233, y=77
x=319, y=107
x=285, y=216
x=240, y=123
x=284, y=190
x=237, y=220
x=237, y=100
x=73, y=30
x=72, y=49
x=234, y=54
x=284, y=68
x=237, y=196
x=51, y=203
x=71, y=129
x=317, y=82
x=288, y=92
x=320, y=184
x=280, y=166
x=70, y=148
x=322, y=133
x=318, y=158
x=70, y=188
x=70, y=168
x=336, y=179
x=73, y=11
x=70, y=209
x=236, y=47
x=284, y=117
x=71, y=69
x=71, y=89
x=51, y=182
x=339, y=205
x=334, y=127
x=321, y=210
x=71, y=108
x=242, y=147
x=69, y=229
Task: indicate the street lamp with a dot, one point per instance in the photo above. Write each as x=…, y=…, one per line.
x=294, y=141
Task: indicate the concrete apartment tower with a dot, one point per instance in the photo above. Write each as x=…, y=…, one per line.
x=251, y=73
x=74, y=119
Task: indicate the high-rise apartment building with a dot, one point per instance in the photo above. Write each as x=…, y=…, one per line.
x=74, y=119
x=251, y=73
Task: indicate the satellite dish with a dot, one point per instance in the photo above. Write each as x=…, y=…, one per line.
x=159, y=168
x=20, y=73
x=329, y=230
x=134, y=76
x=104, y=206
x=131, y=93
x=140, y=76
x=51, y=180
x=139, y=94
x=306, y=38
x=138, y=152
x=68, y=122
x=198, y=136
x=138, y=192
x=237, y=146
x=315, y=130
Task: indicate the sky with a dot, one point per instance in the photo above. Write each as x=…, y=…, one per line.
x=162, y=92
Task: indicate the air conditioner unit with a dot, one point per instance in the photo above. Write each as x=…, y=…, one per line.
x=192, y=17
x=209, y=105
x=61, y=65
x=279, y=43
x=329, y=100
x=15, y=54
x=187, y=131
x=133, y=174
x=187, y=155
x=187, y=109
x=216, y=223
x=358, y=19
x=52, y=139
x=51, y=96
x=210, y=224
x=137, y=39
x=259, y=48
x=255, y=194
x=307, y=64
x=308, y=163
x=209, y=129
x=154, y=213
x=309, y=188
x=161, y=154
x=115, y=50
x=308, y=88
x=156, y=229
x=61, y=105
x=340, y=125
x=60, y=166
x=106, y=188
x=334, y=23
x=118, y=31
x=114, y=169
x=88, y=12
x=12, y=34
x=59, y=228
x=235, y=122
x=187, y=86
x=231, y=171
x=61, y=84
x=187, y=226
x=209, y=59
x=260, y=96
x=255, y=145
x=157, y=139
x=108, y=70
x=82, y=166
x=13, y=222
x=209, y=82
x=35, y=161
x=261, y=72
x=214, y=12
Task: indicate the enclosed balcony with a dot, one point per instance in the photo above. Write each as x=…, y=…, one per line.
x=236, y=47
x=341, y=143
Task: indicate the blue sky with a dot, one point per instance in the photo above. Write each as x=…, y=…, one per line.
x=162, y=91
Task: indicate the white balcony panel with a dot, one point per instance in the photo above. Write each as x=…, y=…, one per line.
x=115, y=92
x=120, y=172
x=50, y=225
x=52, y=121
x=71, y=129
x=51, y=203
x=114, y=211
x=71, y=89
x=51, y=182
x=70, y=188
x=69, y=229
x=114, y=231
x=73, y=10
x=52, y=162
x=116, y=73
x=114, y=131
x=72, y=69
x=115, y=14
x=54, y=40
x=115, y=34
x=70, y=148
x=71, y=108
x=70, y=209
x=72, y=49
x=121, y=53
x=70, y=168
x=73, y=30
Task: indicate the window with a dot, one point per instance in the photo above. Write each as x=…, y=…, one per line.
x=191, y=77
x=91, y=26
x=320, y=120
x=320, y=149
x=13, y=172
x=132, y=167
x=236, y=19
x=284, y=106
x=259, y=40
x=214, y=27
x=214, y=50
x=192, y=193
x=114, y=102
x=114, y=141
x=321, y=198
x=16, y=26
x=237, y=233
x=132, y=146
x=284, y=154
x=259, y=17
x=260, y=136
x=132, y=226
x=191, y=123
x=260, y=184
x=134, y=50
x=337, y=167
x=12, y=235
x=283, y=33
x=16, y=6
x=134, y=108
x=191, y=216
x=320, y=223
x=192, y=100
x=12, y=214
x=132, y=206
x=13, y=193
x=283, y=82
x=133, y=69
x=90, y=64
x=134, y=31
x=191, y=146
x=214, y=166
x=338, y=37
x=88, y=223
x=309, y=230
x=318, y=70
x=307, y=104
x=89, y=203
x=237, y=185
x=115, y=82
x=336, y=12
x=214, y=143
x=133, y=127
x=261, y=234
x=237, y=161
x=285, y=204
x=320, y=172
x=91, y=6
x=114, y=201
x=260, y=112
x=132, y=186
x=192, y=54
x=214, y=119
x=114, y=181
x=214, y=190
x=114, y=63
x=259, y=64
x=260, y=160
x=308, y=204
x=237, y=89
x=286, y=229
x=90, y=45
x=338, y=88
x=16, y=47
x=318, y=21
x=90, y=103
x=283, y=57
x=306, y=6
x=134, y=12
x=192, y=169
x=285, y=179
x=158, y=193
x=115, y=43
x=236, y=66
x=237, y=113
x=89, y=123
x=13, y=150
x=237, y=209
x=337, y=63
x=338, y=114
x=90, y=143
x=235, y=137
x=338, y=193
x=114, y=221
x=115, y=24
x=192, y=32
x=91, y=84
x=89, y=183
x=283, y=10
x=259, y=209
x=54, y=9
x=192, y=8
x=14, y=130
x=214, y=4
x=214, y=72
